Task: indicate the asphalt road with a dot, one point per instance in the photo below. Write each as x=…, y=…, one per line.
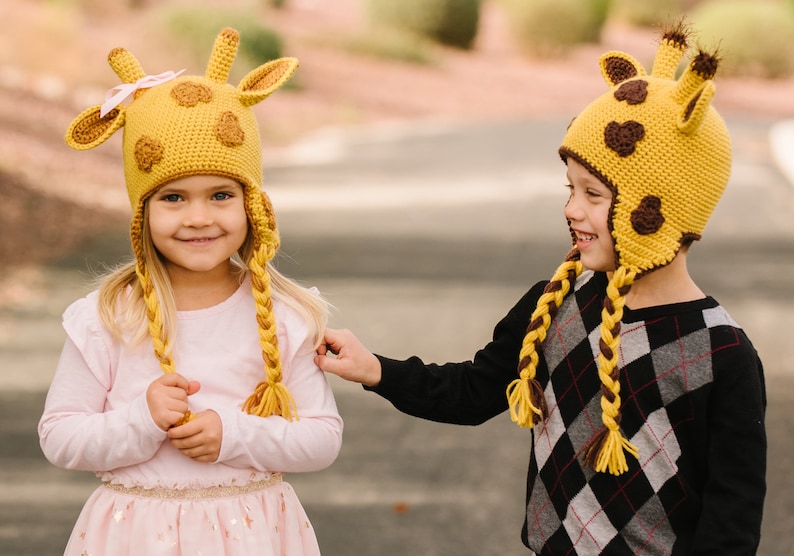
x=422, y=238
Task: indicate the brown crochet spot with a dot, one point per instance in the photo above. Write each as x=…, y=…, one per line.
x=633, y=92
x=148, y=152
x=189, y=93
x=647, y=218
x=622, y=138
x=228, y=130
x=619, y=69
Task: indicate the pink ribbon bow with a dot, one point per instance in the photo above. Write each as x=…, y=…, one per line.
x=119, y=93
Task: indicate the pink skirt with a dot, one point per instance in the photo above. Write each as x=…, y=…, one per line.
x=262, y=519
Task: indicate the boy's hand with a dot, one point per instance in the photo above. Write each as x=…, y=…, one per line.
x=199, y=439
x=167, y=398
x=353, y=361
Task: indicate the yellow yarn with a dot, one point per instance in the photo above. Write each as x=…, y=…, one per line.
x=666, y=154
x=198, y=125
x=610, y=454
x=524, y=394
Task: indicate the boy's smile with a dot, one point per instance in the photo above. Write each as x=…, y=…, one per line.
x=588, y=210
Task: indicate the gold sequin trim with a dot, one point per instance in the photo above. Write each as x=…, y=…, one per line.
x=197, y=493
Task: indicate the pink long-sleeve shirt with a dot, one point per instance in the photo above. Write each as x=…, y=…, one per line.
x=96, y=417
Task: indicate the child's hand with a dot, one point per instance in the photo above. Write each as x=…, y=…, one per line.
x=167, y=398
x=353, y=361
x=199, y=439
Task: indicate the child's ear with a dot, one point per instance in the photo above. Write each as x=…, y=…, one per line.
x=89, y=129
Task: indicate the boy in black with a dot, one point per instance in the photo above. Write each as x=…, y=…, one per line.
x=646, y=400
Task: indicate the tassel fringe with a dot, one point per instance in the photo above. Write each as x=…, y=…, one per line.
x=271, y=399
x=606, y=451
x=527, y=402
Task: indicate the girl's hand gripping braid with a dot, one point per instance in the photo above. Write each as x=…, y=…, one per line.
x=167, y=399
x=199, y=438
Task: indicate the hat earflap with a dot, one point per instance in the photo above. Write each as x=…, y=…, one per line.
x=525, y=394
x=270, y=397
x=605, y=451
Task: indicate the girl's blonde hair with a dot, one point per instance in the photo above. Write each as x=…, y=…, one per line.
x=123, y=307
x=177, y=126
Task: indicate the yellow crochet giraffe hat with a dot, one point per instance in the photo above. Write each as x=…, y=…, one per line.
x=666, y=154
x=178, y=126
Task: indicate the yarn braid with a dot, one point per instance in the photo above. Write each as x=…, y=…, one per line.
x=270, y=397
x=525, y=394
x=605, y=450
x=157, y=329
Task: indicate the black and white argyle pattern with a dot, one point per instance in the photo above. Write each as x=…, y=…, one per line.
x=666, y=363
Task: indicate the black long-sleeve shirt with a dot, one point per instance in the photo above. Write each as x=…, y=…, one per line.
x=693, y=402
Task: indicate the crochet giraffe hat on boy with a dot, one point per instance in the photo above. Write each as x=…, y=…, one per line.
x=178, y=126
x=663, y=150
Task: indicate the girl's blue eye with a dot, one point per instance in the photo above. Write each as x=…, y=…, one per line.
x=171, y=198
x=220, y=196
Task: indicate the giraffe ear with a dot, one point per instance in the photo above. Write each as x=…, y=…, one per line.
x=89, y=130
x=259, y=83
x=696, y=109
x=617, y=67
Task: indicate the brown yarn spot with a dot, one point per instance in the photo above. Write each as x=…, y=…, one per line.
x=189, y=93
x=228, y=130
x=622, y=138
x=148, y=152
x=647, y=218
x=619, y=69
x=633, y=92
x=705, y=64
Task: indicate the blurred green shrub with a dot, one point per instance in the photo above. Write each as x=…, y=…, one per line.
x=196, y=29
x=549, y=28
x=754, y=38
x=649, y=13
x=386, y=44
x=449, y=22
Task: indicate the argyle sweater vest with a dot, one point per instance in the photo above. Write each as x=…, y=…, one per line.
x=682, y=368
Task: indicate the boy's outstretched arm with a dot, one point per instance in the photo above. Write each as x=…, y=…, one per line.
x=353, y=361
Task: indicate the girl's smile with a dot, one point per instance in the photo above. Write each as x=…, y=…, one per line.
x=197, y=223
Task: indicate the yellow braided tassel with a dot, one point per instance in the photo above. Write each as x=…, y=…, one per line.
x=525, y=396
x=157, y=331
x=270, y=397
x=606, y=450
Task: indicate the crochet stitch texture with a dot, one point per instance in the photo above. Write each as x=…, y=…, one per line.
x=198, y=125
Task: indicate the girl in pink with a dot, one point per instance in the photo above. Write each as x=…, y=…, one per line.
x=187, y=381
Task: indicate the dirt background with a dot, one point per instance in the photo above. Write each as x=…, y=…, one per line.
x=53, y=65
